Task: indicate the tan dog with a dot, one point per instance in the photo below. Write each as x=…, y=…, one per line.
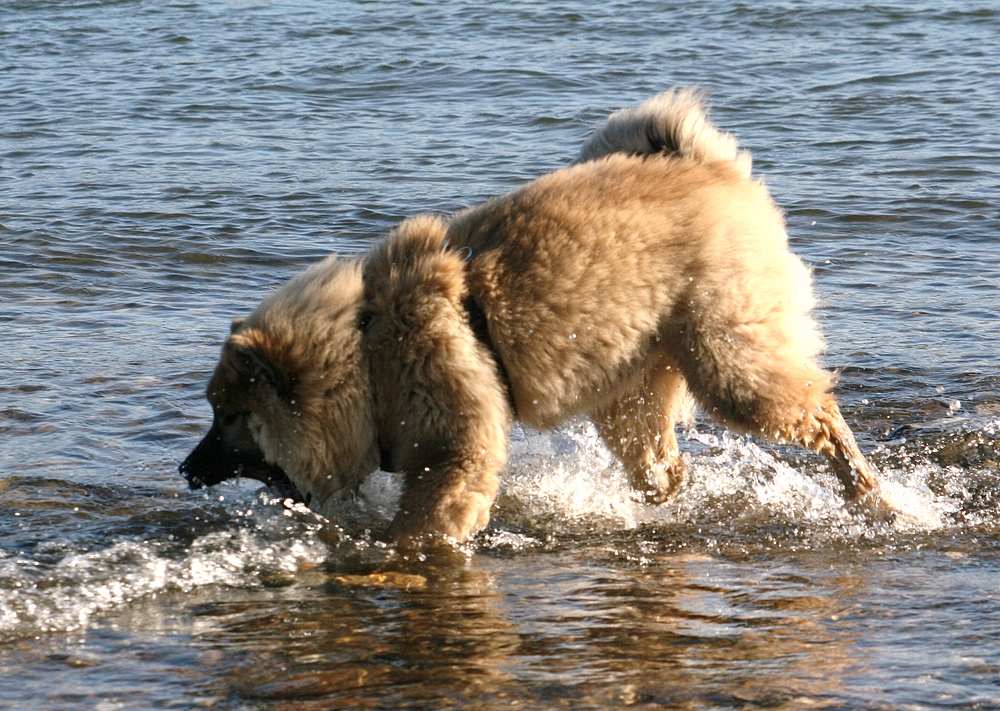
x=653, y=266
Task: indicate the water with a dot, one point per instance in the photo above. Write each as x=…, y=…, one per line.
x=164, y=165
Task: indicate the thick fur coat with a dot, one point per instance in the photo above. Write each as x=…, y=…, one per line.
x=653, y=269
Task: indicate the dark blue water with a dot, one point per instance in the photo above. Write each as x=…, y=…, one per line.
x=164, y=165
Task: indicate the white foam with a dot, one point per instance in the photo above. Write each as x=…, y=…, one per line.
x=568, y=480
x=557, y=483
x=67, y=595
x=916, y=507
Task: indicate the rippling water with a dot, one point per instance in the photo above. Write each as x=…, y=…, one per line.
x=164, y=165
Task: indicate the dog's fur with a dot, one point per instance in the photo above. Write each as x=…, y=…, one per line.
x=653, y=266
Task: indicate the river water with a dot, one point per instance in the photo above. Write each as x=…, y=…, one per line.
x=163, y=165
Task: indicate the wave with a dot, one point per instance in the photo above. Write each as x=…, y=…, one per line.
x=561, y=489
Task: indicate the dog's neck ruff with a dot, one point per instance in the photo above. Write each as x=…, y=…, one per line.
x=479, y=324
x=480, y=328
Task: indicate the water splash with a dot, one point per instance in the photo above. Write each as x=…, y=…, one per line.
x=257, y=540
x=567, y=482
x=561, y=486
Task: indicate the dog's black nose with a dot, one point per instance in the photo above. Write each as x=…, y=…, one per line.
x=194, y=481
x=207, y=464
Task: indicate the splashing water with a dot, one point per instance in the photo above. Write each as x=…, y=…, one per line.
x=258, y=540
x=568, y=480
x=561, y=485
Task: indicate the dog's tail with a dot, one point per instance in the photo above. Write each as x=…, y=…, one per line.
x=671, y=123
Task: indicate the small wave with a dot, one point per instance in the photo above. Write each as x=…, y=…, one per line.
x=560, y=488
x=259, y=540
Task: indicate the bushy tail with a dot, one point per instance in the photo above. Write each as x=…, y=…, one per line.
x=672, y=123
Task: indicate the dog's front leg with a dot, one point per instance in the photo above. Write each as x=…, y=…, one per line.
x=448, y=492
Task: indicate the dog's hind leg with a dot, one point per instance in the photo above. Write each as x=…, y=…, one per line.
x=824, y=430
x=638, y=428
x=757, y=381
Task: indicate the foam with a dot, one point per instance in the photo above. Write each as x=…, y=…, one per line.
x=568, y=480
x=559, y=484
x=275, y=539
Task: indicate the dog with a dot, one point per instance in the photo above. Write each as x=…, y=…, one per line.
x=653, y=270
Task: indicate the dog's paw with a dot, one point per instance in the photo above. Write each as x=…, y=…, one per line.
x=659, y=484
x=655, y=497
x=874, y=507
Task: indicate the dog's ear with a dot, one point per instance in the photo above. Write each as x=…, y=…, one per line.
x=251, y=363
x=254, y=365
x=235, y=325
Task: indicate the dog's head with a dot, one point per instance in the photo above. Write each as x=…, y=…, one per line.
x=291, y=396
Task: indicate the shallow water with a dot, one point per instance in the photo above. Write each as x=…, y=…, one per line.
x=165, y=165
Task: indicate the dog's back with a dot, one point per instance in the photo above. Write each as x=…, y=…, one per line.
x=585, y=272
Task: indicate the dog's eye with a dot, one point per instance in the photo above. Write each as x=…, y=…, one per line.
x=364, y=319
x=229, y=419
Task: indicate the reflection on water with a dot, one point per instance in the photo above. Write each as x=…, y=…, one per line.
x=755, y=589
x=578, y=630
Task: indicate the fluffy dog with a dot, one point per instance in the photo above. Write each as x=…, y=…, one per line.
x=653, y=267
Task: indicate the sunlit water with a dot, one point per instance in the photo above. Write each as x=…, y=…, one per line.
x=163, y=165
